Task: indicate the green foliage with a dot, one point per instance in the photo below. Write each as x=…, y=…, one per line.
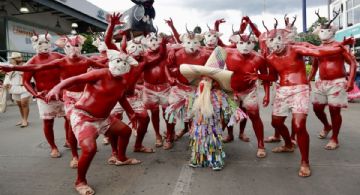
x=88, y=46
x=309, y=36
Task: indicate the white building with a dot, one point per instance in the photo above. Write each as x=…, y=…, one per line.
x=348, y=20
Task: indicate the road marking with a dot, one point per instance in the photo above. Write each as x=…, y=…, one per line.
x=184, y=181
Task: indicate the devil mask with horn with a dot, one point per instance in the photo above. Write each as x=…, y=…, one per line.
x=326, y=31
x=41, y=43
x=276, y=39
x=72, y=45
x=244, y=43
x=211, y=38
x=153, y=40
x=191, y=41
x=136, y=46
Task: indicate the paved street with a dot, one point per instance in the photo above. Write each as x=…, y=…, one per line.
x=26, y=168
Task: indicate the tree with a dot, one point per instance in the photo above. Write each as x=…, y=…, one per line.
x=88, y=46
x=309, y=36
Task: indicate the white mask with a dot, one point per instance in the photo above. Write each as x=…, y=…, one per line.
x=72, y=46
x=276, y=44
x=191, y=44
x=326, y=34
x=136, y=47
x=211, y=38
x=153, y=41
x=244, y=47
x=41, y=43
x=120, y=63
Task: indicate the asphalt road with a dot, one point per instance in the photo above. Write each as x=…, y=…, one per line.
x=26, y=168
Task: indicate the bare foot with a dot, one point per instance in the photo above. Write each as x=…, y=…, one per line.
x=332, y=145
x=180, y=135
x=168, y=145
x=129, y=161
x=304, y=171
x=84, y=189
x=244, y=138
x=55, y=153
x=106, y=141
x=74, y=163
x=112, y=160
x=228, y=139
x=272, y=139
x=144, y=149
x=261, y=153
x=323, y=134
x=66, y=144
x=283, y=149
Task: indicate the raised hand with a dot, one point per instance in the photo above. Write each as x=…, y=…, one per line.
x=115, y=19
x=220, y=21
x=169, y=22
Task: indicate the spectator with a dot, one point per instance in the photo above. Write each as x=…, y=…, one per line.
x=13, y=82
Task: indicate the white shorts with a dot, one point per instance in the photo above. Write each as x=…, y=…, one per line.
x=50, y=110
x=18, y=97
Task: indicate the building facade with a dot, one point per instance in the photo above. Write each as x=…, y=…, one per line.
x=348, y=20
x=19, y=18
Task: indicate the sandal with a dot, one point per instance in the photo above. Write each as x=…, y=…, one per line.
x=74, y=163
x=159, y=143
x=283, y=149
x=129, y=161
x=168, y=145
x=244, y=138
x=331, y=145
x=180, y=135
x=144, y=149
x=112, y=160
x=261, y=153
x=272, y=139
x=55, y=153
x=84, y=190
x=304, y=171
x=228, y=139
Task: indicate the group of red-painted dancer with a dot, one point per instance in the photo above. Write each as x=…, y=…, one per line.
x=144, y=74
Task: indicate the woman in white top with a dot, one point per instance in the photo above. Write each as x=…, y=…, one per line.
x=13, y=81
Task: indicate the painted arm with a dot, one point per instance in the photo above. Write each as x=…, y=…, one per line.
x=350, y=59
x=27, y=84
x=88, y=77
x=170, y=23
x=314, y=69
x=29, y=68
x=114, y=20
x=318, y=51
x=97, y=64
x=129, y=111
x=263, y=71
x=254, y=29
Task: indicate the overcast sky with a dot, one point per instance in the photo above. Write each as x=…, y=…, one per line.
x=202, y=12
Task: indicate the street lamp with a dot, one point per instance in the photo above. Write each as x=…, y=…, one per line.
x=74, y=25
x=23, y=9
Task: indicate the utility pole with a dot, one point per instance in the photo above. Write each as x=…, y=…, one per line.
x=304, y=15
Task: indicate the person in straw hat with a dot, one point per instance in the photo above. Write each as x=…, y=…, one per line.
x=17, y=90
x=208, y=107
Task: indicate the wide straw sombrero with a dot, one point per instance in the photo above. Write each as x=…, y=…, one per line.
x=214, y=68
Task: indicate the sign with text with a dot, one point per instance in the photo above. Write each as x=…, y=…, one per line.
x=19, y=36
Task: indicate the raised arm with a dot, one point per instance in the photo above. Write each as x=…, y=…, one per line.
x=170, y=23
x=318, y=51
x=114, y=20
x=254, y=29
x=76, y=80
x=97, y=64
x=124, y=43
